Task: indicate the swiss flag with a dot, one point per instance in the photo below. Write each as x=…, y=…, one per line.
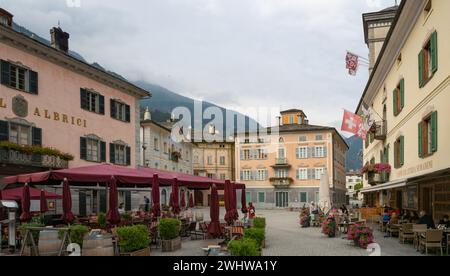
x=353, y=123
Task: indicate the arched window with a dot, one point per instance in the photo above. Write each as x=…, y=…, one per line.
x=281, y=140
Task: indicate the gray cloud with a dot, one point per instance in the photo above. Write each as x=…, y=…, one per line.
x=237, y=53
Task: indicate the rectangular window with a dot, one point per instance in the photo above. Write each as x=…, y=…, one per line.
x=18, y=77
x=261, y=175
x=428, y=60
x=319, y=152
x=19, y=134
x=319, y=137
x=93, y=150
x=223, y=176
x=282, y=173
x=211, y=175
x=319, y=173
x=281, y=153
x=291, y=119
x=246, y=154
x=156, y=144
x=303, y=197
x=120, y=111
x=302, y=138
x=246, y=175
x=248, y=197
x=222, y=160
x=261, y=197
x=262, y=154
x=302, y=153
x=399, y=97
x=302, y=174
x=120, y=155
x=210, y=160
x=428, y=135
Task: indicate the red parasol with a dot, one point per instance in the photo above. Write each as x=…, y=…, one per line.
x=43, y=203
x=113, y=215
x=214, y=229
x=26, y=215
x=68, y=216
x=155, y=197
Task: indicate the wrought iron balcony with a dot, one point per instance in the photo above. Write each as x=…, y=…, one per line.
x=281, y=182
x=378, y=178
x=380, y=130
x=13, y=157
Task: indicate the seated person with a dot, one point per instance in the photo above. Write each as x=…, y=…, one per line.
x=445, y=221
x=426, y=219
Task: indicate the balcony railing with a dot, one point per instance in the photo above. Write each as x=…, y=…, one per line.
x=36, y=160
x=281, y=182
x=380, y=130
x=281, y=161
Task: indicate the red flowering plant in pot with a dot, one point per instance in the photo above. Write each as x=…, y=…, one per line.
x=329, y=225
x=361, y=235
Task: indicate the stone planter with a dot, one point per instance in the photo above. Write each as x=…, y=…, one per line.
x=140, y=253
x=171, y=245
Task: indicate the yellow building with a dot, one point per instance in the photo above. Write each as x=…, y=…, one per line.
x=409, y=88
x=283, y=168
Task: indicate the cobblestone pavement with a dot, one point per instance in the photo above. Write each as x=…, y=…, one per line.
x=286, y=238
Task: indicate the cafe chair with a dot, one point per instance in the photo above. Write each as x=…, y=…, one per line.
x=406, y=233
x=416, y=228
x=432, y=239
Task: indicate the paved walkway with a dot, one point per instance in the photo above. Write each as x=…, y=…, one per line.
x=286, y=238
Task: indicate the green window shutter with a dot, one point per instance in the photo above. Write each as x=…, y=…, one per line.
x=127, y=113
x=434, y=52
x=421, y=139
x=394, y=98
x=83, y=99
x=402, y=93
x=36, y=138
x=402, y=151
x=434, y=132
x=5, y=74
x=4, y=131
x=83, y=148
x=388, y=147
x=128, y=201
x=101, y=104
x=102, y=151
x=112, y=153
x=112, y=104
x=128, y=153
x=396, y=165
x=33, y=82
x=421, y=60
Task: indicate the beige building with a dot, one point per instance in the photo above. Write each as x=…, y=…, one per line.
x=353, y=179
x=283, y=169
x=409, y=88
x=214, y=160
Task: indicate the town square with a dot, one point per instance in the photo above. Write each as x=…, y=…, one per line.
x=224, y=128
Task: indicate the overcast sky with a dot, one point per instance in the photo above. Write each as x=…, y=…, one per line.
x=235, y=53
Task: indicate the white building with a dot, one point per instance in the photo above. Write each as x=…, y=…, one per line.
x=353, y=178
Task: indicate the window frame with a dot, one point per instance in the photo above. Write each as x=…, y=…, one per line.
x=19, y=138
x=89, y=153
x=300, y=197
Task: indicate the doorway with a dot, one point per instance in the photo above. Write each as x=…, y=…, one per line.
x=427, y=200
x=282, y=199
x=399, y=200
x=198, y=195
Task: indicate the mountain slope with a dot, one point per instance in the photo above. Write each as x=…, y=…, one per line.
x=354, y=155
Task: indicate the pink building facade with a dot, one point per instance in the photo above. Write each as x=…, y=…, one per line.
x=50, y=99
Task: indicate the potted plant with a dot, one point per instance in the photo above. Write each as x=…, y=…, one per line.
x=126, y=219
x=259, y=222
x=329, y=227
x=101, y=220
x=258, y=235
x=35, y=222
x=134, y=240
x=361, y=235
x=76, y=234
x=244, y=248
x=169, y=230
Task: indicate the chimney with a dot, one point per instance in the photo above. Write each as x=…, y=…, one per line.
x=6, y=18
x=60, y=39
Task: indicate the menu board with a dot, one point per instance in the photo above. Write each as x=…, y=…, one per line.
x=411, y=198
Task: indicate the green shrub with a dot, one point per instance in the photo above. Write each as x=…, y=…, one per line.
x=259, y=222
x=256, y=234
x=23, y=228
x=126, y=217
x=244, y=248
x=36, y=150
x=133, y=238
x=169, y=228
x=77, y=233
x=101, y=220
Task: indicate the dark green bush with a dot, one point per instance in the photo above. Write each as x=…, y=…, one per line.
x=126, y=217
x=256, y=234
x=244, y=248
x=23, y=228
x=169, y=228
x=133, y=238
x=77, y=233
x=101, y=220
x=259, y=222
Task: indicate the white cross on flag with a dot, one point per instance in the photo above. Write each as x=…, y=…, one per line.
x=353, y=123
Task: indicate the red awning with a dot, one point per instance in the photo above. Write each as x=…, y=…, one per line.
x=101, y=174
x=35, y=194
